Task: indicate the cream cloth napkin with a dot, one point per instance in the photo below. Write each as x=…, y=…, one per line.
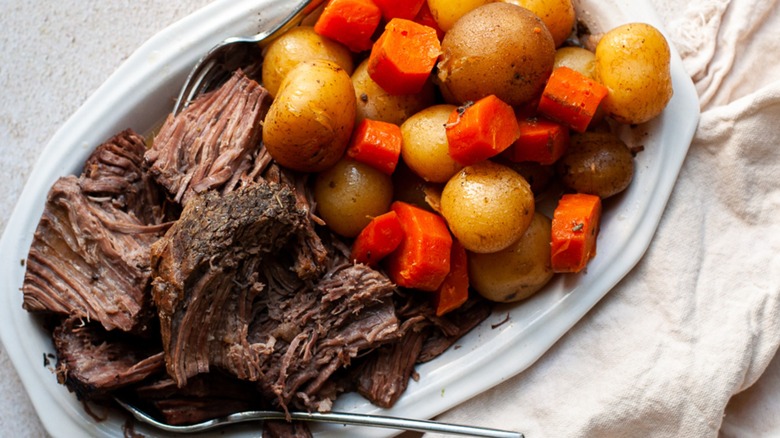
x=663, y=353
x=698, y=319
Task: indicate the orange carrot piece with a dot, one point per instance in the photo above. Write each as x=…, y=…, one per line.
x=406, y=9
x=425, y=17
x=454, y=290
x=481, y=130
x=378, y=239
x=422, y=260
x=350, y=22
x=377, y=144
x=571, y=98
x=403, y=57
x=541, y=140
x=575, y=226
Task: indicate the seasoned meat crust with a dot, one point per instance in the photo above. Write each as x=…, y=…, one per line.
x=205, y=274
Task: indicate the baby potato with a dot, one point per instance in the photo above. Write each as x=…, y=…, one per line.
x=447, y=12
x=300, y=43
x=310, y=122
x=499, y=49
x=517, y=272
x=425, y=148
x=597, y=163
x=376, y=104
x=578, y=59
x=632, y=61
x=488, y=206
x=349, y=194
x=558, y=15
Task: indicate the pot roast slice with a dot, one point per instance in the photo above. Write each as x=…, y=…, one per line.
x=90, y=252
x=92, y=362
x=116, y=171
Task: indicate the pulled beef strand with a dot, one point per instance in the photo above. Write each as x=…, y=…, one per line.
x=211, y=142
x=318, y=331
x=93, y=362
x=383, y=378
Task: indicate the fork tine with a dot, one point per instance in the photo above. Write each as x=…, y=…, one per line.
x=193, y=82
x=197, y=83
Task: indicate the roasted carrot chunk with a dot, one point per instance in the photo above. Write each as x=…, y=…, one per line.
x=350, y=22
x=378, y=239
x=422, y=260
x=454, y=290
x=571, y=98
x=403, y=57
x=377, y=144
x=482, y=130
x=575, y=226
x=406, y=9
x=542, y=141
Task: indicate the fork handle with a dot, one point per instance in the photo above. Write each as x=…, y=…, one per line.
x=402, y=424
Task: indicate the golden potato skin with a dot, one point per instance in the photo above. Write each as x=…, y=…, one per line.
x=632, y=61
x=447, y=12
x=310, y=122
x=578, y=59
x=517, y=272
x=558, y=15
x=498, y=48
x=425, y=148
x=300, y=44
x=376, y=104
x=488, y=206
x=349, y=194
x=598, y=163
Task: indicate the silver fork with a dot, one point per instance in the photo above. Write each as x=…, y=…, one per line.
x=208, y=67
x=397, y=423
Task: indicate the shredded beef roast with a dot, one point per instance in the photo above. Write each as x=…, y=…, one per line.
x=211, y=142
x=315, y=332
x=252, y=303
x=90, y=253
